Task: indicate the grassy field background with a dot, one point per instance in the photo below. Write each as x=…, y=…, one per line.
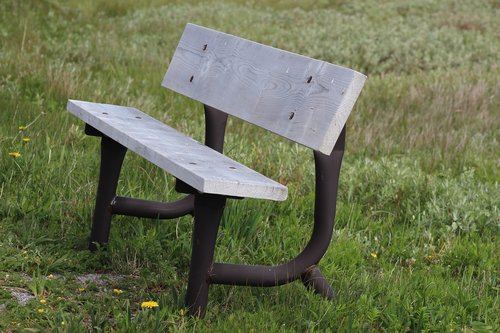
x=416, y=244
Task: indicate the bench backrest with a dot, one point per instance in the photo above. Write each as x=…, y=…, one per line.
x=303, y=99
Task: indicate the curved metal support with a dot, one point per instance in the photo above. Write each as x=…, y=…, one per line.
x=313, y=279
x=327, y=176
x=153, y=209
x=108, y=204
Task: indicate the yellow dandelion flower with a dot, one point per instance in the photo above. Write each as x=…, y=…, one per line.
x=182, y=312
x=149, y=305
x=22, y=128
x=81, y=290
x=117, y=291
x=373, y=255
x=63, y=323
x=43, y=301
x=26, y=140
x=15, y=154
x=50, y=276
x=40, y=310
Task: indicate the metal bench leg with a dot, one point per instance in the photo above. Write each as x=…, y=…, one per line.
x=112, y=155
x=208, y=209
x=304, y=266
x=313, y=279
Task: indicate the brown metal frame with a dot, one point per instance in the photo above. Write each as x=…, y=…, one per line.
x=208, y=209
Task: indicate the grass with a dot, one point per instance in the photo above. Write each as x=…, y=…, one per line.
x=416, y=242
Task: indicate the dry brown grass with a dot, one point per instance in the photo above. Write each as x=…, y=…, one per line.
x=443, y=113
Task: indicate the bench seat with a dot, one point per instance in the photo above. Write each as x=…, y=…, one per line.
x=199, y=166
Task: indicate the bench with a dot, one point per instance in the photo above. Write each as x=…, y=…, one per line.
x=305, y=100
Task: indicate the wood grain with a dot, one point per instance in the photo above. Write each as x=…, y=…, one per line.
x=192, y=162
x=303, y=99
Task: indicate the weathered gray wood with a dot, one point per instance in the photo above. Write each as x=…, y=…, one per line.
x=300, y=98
x=192, y=162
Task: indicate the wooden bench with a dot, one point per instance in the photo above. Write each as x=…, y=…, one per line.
x=302, y=99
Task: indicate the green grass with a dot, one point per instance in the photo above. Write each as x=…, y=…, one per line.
x=419, y=185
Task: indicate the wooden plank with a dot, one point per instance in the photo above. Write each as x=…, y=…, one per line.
x=303, y=99
x=192, y=162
